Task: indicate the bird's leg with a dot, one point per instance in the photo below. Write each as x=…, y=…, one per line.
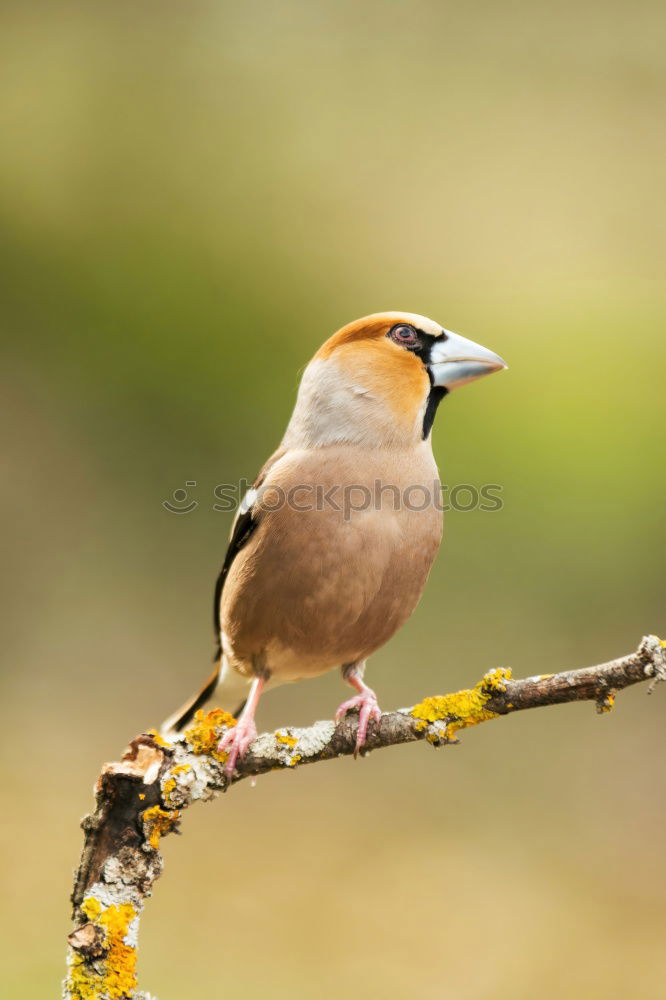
x=236, y=740
x=365, y=701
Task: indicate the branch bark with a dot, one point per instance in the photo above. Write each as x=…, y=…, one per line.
x=142, y=797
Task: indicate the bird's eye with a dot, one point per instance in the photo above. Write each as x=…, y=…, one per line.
x=404, y=334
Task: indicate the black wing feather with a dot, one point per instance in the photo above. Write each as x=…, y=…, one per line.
x=243, y=528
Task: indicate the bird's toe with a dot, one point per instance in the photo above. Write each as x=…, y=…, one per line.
x=235, y=744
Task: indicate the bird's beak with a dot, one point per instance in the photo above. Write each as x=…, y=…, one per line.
x=454, y=360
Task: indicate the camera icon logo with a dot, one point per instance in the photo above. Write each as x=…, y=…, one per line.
x=180, y=502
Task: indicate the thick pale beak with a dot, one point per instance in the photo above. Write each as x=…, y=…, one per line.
x=454, y=360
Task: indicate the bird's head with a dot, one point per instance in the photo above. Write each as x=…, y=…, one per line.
x=380, y=379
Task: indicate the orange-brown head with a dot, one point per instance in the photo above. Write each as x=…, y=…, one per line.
x=380, y=379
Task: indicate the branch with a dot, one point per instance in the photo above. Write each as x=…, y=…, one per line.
x=142, y=797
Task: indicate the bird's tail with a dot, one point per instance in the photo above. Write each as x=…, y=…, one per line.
x=231, y=690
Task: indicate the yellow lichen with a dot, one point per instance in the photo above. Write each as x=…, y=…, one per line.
x=156, y=738
x=286, y=739
x=293, y=761
x=113, y=976
x=606, y=704
x=204, y=733
x=168, y=787
x=157, y=822
x=462, y=709
x=495, y=680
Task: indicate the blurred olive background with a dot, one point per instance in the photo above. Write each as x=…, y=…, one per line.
x=193, y=196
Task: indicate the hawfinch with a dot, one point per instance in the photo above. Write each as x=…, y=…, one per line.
x=332, y=546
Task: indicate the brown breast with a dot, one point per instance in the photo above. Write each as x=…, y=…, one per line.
x=338, y=566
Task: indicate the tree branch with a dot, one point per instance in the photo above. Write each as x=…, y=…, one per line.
x=142, y=797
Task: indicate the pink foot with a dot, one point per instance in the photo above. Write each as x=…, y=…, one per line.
x=235, y=742
x=366, y=702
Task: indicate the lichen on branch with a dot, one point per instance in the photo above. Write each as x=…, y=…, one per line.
x=142, y=797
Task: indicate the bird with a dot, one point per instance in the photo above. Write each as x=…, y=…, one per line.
x=331, y=547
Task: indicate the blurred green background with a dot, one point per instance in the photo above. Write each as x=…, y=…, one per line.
x=192, y=198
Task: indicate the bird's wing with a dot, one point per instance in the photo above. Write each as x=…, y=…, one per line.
x=245, y=522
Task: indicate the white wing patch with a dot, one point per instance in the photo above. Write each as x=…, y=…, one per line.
x=247, y=501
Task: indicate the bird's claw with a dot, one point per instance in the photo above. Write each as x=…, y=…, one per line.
x=235, y=743
x=368, y=708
